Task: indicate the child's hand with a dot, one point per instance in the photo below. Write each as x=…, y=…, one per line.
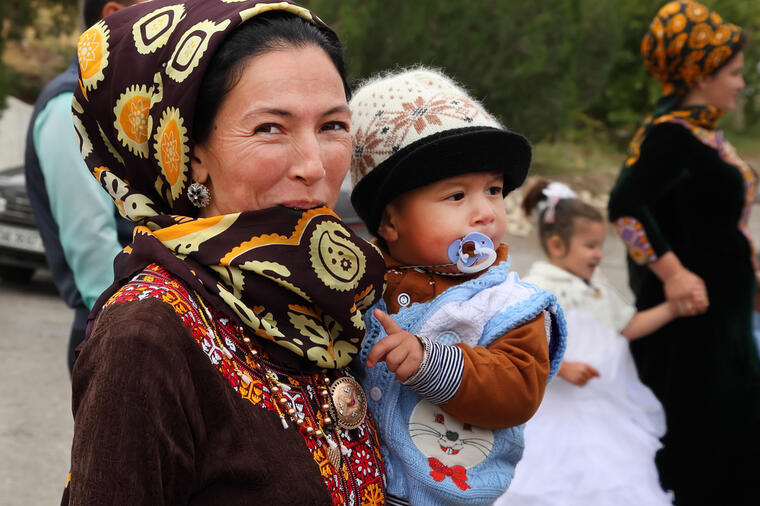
x=674, y=309
x=692, y=306
x=401, y=350
x=577, y=373
x=688, y=292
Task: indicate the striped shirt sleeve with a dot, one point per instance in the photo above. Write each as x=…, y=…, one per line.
x=440, y=374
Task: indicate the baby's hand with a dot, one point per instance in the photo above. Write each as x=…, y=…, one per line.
x=577, y=373
x=401, y=350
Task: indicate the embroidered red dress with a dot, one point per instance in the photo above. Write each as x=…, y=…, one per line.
x=206, y=430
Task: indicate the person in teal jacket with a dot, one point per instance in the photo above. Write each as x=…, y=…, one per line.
x=78, y=222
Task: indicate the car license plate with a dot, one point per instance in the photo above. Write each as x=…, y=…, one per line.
x=21, y=238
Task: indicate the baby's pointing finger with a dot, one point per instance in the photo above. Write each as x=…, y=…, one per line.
x=380, y=350
x=390, y=326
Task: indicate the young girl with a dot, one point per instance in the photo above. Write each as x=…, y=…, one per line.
x=594, y=438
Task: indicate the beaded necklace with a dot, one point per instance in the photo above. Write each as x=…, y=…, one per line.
x=342, y=400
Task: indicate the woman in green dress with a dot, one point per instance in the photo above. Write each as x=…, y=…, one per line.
x=681, y=204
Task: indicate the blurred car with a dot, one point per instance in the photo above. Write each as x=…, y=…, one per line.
x=21, y=249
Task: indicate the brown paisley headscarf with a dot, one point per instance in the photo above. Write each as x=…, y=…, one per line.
x=300, y=279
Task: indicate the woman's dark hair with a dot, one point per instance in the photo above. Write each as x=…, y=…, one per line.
x=92, y=10
x=565, y=214
x=263, y=33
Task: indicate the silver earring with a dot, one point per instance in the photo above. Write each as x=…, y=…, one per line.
x=198, y=195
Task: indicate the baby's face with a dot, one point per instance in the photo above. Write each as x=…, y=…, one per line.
x=422, y=223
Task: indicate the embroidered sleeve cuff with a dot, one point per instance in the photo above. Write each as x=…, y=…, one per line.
x=440, y=373
x=632, y=232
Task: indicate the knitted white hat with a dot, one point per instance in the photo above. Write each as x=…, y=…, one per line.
x=414, y=127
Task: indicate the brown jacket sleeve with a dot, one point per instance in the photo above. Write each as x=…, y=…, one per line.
x=503, y=384
x=156, y=423
x=133, y=433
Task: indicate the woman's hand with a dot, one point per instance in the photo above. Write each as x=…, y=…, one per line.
x=682, y=287
x=577, y=373
x=401, y=350
x=687, y=292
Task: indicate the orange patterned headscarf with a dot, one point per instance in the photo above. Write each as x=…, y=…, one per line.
x=685, y=41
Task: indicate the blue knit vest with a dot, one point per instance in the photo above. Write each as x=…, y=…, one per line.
x=403, y=417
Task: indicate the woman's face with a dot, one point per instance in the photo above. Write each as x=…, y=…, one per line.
x=722, y=88
x=280, y=137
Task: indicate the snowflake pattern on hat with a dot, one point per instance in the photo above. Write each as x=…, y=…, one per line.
x=392, y=113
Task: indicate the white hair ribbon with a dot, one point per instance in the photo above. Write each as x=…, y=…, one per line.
x=554, y=192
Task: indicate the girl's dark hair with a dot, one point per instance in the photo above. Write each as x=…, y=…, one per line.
x=264, y=33
x=565, y=214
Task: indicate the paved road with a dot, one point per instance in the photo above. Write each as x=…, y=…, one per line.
x=35, y=411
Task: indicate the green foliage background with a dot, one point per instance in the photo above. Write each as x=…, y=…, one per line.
x=548, y=68
x=17, y=17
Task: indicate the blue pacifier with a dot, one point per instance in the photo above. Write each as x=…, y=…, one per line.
x=472, y=253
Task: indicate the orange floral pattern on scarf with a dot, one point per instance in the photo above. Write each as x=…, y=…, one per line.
x=685, y=41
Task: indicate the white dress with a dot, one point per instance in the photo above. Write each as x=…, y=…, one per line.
x=592, y=445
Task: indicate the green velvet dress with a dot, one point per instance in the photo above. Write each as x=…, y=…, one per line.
x=685, y=190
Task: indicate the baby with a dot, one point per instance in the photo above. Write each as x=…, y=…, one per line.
x=460, y=350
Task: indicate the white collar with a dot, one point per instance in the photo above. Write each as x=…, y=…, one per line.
x=549, y=276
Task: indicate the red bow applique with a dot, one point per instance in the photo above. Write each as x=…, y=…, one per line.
x=458, y=474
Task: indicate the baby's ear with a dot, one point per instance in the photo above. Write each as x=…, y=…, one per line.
x=387, y=228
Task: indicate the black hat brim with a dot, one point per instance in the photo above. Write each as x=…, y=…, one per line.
x=446, y=154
